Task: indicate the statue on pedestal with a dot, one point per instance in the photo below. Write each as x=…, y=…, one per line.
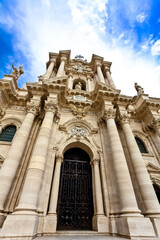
x=17, y=71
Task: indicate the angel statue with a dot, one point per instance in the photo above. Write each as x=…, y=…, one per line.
x=17, y=71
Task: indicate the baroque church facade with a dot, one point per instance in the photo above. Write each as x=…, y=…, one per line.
x=77, y=155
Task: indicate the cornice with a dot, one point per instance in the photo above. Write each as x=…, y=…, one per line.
x=34, y=88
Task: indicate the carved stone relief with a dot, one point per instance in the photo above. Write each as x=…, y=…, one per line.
x=78, y=131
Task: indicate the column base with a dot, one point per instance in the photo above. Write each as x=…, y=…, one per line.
x=156, y=225
x=135, y=227
x=20, y=224
x=50, y=224
x=100, y=223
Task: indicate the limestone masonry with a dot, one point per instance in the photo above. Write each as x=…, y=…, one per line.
x=76, y=155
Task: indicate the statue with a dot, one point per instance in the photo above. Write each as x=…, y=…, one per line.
x=78, y=86
x=139, y=89
x=17, y=71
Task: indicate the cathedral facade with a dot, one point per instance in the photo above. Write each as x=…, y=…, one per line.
x=77, y=155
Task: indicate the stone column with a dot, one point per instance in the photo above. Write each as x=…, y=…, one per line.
x=55, y=186
x=33, y=181
x=126, y=193
x=61, y=67
x=11, y=163
x=50, y=68
x=104, y=184
x=70, y=81
x=98, y=189
x=89, y=82
x=109, y=78
x=100, y=74
x=93, y=189
x=147, y=192
x=99, y=221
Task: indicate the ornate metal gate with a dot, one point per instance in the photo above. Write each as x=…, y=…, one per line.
x=75, y=204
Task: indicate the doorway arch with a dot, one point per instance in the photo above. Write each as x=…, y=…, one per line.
x=75, y=202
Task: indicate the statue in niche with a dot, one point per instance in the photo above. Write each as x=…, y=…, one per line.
x=17, y=71
x=139, y=89
x=78, y=86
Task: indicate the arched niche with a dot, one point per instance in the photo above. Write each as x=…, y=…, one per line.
x=83, y=84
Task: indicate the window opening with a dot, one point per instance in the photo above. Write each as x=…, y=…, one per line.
x=141, y=145
x=8, y=133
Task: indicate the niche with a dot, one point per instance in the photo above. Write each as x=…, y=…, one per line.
x=79, y=84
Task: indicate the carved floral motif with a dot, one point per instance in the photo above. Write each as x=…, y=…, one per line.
x=50, y=106
x=124, y=118
x=94, y=162
x=33, y=107
x=110, y=113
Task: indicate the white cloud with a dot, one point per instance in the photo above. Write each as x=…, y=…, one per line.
x=53, y=25
x=141, y=17
x=155, y=50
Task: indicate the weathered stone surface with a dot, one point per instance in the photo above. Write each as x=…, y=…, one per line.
x=75, y=104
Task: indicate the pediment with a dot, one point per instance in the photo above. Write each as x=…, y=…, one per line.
x=78, y=122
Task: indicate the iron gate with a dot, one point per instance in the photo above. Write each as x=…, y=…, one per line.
x=75, y=204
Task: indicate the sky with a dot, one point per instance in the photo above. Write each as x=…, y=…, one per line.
x=124, y=32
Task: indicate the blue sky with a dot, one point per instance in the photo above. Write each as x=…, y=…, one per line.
x=124, y=32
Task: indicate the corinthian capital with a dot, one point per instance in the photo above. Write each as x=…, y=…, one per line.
x=110, y=113
x=124, y=118
x=155, y=123
x=53, y=60
x=50, y=106
x=95, y=161
x=33, y=107
x=59, y=158
x=63, y=59
x=98, y=64
x=107, y=69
